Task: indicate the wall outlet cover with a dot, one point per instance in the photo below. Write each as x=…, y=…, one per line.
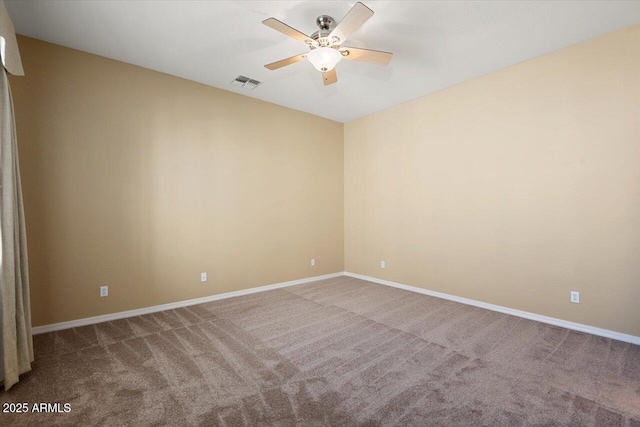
x=575, y=297
x=104, y=291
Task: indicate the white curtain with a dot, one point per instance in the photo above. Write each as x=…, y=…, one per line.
x=16, y=345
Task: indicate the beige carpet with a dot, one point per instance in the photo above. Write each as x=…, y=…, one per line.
x=339, y=352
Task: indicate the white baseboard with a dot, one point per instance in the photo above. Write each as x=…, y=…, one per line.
x=137, y=312
x=519, y=313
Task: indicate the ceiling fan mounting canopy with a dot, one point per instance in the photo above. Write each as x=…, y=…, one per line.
x=325, y=45
x=325, y=22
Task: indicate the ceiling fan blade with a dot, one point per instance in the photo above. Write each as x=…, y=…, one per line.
x=285, y=29
x=374, y=56
x=285, y=62
x=358, y=15
x=329, y=77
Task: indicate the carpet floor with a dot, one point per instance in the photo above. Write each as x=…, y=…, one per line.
x=339, y=352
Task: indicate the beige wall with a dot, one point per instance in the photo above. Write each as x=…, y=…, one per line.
x=141, y=181
x=514, y=188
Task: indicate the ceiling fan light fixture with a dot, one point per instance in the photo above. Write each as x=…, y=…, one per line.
x=324, y=58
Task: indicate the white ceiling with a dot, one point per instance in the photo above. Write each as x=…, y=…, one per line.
x=436, y=43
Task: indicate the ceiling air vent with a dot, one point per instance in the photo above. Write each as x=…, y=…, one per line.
x=246, y=82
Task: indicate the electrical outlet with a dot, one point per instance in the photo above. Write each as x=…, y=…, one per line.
x=203, y=277
x=575, y=297
x=104, y=291
x=383, y=264
x=313, y=261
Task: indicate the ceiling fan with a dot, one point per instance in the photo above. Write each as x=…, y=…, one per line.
x=325, y=45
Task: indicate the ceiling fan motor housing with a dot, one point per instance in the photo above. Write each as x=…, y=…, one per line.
x=321, y=37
